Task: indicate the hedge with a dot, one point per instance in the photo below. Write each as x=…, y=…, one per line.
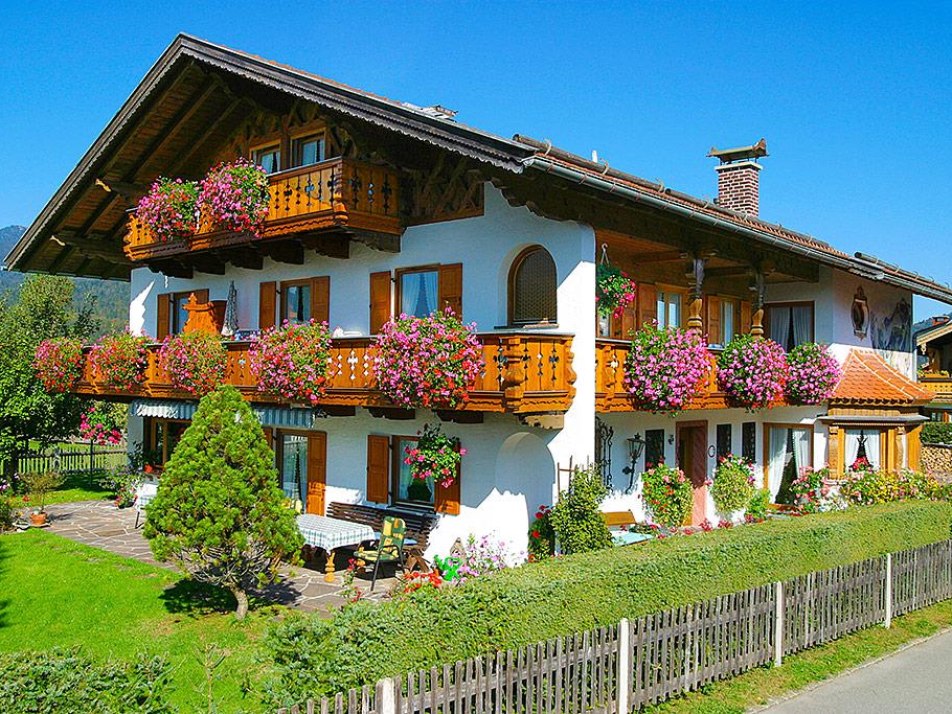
x=937, y=432
x=367, y=641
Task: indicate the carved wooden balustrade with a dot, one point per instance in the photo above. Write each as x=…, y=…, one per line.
x=338, y=193
x=939, y=384
x=524, y=374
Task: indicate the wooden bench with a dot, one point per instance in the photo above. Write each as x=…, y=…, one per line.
x=618, y=519
x=419, y=526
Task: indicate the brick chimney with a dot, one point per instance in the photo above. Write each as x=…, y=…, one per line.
x=738, y=177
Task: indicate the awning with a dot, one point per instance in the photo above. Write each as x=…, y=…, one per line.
x=163, y=408
x=269, y=416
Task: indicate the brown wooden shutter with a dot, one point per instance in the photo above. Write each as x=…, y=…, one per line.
x=378, y=468
x=647, y=303
x=321, y=299
x=713, y=321
x=451, y=288
x=745, y=317
x=316, y=472
x=379, y=301
x=267, y=304
x=201, y=296
x=163, y=319
x=446, y=500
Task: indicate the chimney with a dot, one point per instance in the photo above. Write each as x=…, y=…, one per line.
x=738, y=177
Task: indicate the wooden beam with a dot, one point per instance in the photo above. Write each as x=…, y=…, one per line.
x=203, y=137
x=172, y=268
x=65, y=252
x=206, y=263
x=333, y=245
x=284, y=251
x=392, y=413
x=729, y=271
x=666, y=256
x=243, y=258
x=384, y=242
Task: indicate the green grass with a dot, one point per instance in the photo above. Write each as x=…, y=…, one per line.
x=758, y=686
x=76, y=487
x=54, y=592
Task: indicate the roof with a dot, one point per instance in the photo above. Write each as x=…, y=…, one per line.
x=869, y=379
x=41, y=250
x=931, y=332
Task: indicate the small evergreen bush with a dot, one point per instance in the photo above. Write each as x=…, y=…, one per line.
x=577, y=517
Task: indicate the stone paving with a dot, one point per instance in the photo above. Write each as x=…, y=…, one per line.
x=101, y=525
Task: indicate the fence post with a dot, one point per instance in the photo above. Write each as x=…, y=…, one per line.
x=92, y=455
x=624, y=667
x=386, y=697
x=887, y=622
x=778, y=624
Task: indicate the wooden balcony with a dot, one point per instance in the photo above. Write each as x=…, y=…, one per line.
x=524, y=374
x=305, y=203
x=939, y=384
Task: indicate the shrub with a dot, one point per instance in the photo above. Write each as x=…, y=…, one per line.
x=169, y=209
x=7, y=511
x=752, y=372
x=868, y=487
x=758, y=505
x=614, y=291
x=195, y=361
x=937, y=432
x=66, y=680
x=813, y=374
x=558, y=596
x=434, y=456
x=668, y=495
x=666, y=368
x=235, y=196
x=219, y=511
x=541, y=535
x=733, y=485
x=59, y=363
x=119, y=361
x=429, y=362
x=577, y=517
x=103, y=423
x=38, y=484
x=812, y=491
x=290, y=361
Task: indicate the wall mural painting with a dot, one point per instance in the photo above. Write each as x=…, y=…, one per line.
x=891, y=329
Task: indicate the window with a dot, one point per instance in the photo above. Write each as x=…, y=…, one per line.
x=654, y=447
x=292, y=467
x=730, y=312
x=307, y=150
x=405, y=488
x=723, y=441
x=749, y=441
x=533, y=284
x=161, y=438
x=863, y=444
x=669, y=308
x=296, y=301
x=789, y=451
x=419, y=291
x=268, y=158
x=171, y=313
x=790, y=324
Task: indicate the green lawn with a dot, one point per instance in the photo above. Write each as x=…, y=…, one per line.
x=54, y=592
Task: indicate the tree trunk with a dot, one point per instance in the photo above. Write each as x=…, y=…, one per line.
x=242, y=597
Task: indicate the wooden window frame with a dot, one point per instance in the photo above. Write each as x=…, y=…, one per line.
x=887, y=441
x=743, y=428
x=151, y=426
x=398, y=280
x=396, y=459
x=792, y=303
x=295, y=140
x=277, y=143
x=767, y=426
x=282, y=292
x=718, y=428
x=664, y=288
x=511, y=285
x=734, y=302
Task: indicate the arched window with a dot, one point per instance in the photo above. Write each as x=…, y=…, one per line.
x=532, y=287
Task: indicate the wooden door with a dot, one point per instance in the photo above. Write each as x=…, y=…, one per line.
x=316, y=472
x=692, y=459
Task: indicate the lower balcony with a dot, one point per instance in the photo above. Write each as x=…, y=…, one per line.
x=525, y=374
x=940, y=384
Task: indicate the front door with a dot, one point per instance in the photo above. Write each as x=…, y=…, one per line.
x=692, y=459
x=303, y=468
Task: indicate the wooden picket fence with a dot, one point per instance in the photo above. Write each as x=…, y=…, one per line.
x=621, y=668
x=67, y=457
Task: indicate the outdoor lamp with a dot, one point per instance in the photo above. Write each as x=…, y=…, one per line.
x=636, y=444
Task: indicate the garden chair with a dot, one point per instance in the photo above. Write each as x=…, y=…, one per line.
x=145, y=492
x=389, y=548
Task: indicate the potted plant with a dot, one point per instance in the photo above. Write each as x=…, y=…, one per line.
x=235, y=196
x=733, y=485
x=59, y=363
x=666, y=368
x=813, y=374
x=290, y=361
x=614, y=291
x=169, y=209
x=119, y=361
x=38, y=484
x=429, y=362
x=752, y=372
x=195, y=361
x=435, y=457
x=668, y=495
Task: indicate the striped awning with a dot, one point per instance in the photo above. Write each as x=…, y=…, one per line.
x=163, y=408
x=270, y=416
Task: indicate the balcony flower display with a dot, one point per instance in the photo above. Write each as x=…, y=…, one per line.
x=614, y=291
x=119, y=361
x=666, y=368
x=169, y=209
x=668, y=495
x=434, y=456
x=235, y=196
x=195, y=361
x=59, y=363
x=752, y=372
x=813, y=374
x=290, y=361
x=103, y=423
x=429, y=362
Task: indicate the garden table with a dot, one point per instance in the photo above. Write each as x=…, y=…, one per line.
x=331, y=533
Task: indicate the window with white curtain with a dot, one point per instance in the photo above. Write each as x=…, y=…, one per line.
x=863, y=443
x=729, y=311
x=790, y=325
x=669, y=309
x=789, y=451
x=419, y=292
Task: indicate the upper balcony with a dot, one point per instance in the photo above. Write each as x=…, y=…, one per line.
x=939, y=383
x=524, y=374
x=316, y=206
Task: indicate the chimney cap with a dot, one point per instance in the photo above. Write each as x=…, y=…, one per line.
x=740, y=153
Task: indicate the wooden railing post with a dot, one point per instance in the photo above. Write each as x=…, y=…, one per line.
x=887, y=621
x=778, y=624
x=624, y=667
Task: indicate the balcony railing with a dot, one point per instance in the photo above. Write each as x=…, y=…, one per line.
x=939, y=384
x=337, y=193
x=524, y=374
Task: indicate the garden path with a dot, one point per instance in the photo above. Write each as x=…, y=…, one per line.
x=101, y=525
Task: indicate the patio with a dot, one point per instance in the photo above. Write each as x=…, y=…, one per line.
x=101, y=525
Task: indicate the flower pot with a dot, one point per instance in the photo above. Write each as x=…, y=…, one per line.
x=38, y=519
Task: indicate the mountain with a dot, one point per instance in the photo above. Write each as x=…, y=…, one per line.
x=112, y=296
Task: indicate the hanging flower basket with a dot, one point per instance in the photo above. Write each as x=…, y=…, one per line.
x=290, y=361
x=435, y=456
x=733, y=485
x=169, y=209
x=59, y=363
x=194, y=361
x=666, y=368
x=668, y=495
x=103, y=423
x=119, y=361
x=235, y=196
x=429, y=362
x=752, y=372
x=813, y=374
x=615, y=291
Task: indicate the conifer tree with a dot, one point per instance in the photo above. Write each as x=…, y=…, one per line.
x=219, y=512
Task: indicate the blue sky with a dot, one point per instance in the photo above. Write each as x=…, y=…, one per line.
x=855, y=100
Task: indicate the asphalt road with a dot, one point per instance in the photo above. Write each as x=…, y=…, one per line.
x=917, y=679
